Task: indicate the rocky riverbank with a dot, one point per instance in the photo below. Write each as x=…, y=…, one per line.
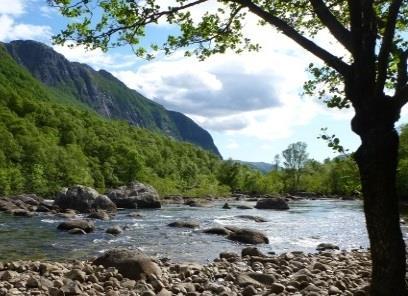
x=124, y=272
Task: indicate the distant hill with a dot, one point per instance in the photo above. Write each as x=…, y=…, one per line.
x=260, y=166
x=78, y=83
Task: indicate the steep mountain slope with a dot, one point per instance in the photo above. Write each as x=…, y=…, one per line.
x=46, y=145
x=99, y=90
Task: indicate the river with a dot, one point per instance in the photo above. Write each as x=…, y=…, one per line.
x=302, y=228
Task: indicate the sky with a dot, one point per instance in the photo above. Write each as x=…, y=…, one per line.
x=252, y=103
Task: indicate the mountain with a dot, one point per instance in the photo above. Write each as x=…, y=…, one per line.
x=46, y=144
x=263, y=167
x=77, y=83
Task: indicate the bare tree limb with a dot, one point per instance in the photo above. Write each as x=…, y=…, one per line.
x=331, y=60
x=331, y=22
x=386, y=46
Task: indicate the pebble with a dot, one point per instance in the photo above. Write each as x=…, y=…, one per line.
x=253, y=274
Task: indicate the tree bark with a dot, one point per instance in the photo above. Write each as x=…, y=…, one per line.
x=377, y=158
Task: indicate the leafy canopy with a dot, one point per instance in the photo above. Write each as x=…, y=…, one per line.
x=371, y=33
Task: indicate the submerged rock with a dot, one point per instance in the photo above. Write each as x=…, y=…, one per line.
x=248, y=236
x=85, y=225
x=99, y=214
x=253, y=218
x=184, y=224
x=83, y=199
x=114, y=230
x=327, y=246
x=22, y=213
x=244, y=207
x=135, y=195
x=217, y=231
x=273, y=203
x=76, y=231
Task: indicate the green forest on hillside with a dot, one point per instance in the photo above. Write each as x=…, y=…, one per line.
x=47, y=144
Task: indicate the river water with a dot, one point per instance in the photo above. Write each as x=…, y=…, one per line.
x=302, y=228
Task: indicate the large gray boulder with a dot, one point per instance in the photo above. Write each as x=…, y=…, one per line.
x=135, y=195
x=131, y=264
x=273, y=203
x=83, y=199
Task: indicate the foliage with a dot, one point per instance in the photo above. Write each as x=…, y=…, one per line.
x=295, y=157
x=47, y=144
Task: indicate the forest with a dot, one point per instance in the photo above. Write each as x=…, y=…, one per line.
x=47, y=144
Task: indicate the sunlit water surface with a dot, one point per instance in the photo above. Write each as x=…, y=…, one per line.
x=303, y=227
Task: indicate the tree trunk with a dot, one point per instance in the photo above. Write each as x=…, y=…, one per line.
x=377, y=158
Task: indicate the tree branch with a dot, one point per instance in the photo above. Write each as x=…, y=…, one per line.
x=331, y=22
x=290, y=32
x=386, y=46
x=401, y=97
x=402, y=77
x=355, y=25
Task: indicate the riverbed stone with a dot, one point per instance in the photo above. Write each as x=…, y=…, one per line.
x=273, y=203
x=256, y=279
x=135, y=195
x=87, y=226
x=252, y=218
x=83, y=199
x=248, y=236
x=131, y=264
x=327, y=246
x=76, y=231
x=114, y=230
x=22, y=213
x=252, y=251
x=217, y=231
x=184, y=224
x=244, y=207
x=100, y=215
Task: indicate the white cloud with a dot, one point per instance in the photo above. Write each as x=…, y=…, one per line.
x=48, y=11
x=9, y=30
x=252, y=94
x=14, y=7
x=232, y=145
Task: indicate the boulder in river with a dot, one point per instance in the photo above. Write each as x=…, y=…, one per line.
x=114, y=230
x=135, y=195
x=83, y=199
x=248, y=236
x=131, y=264
x=253, y=218
x=327, y=246
x=273, y=203
x=243, y=207
x=194, y=203
x=6, y=205
x=22, y=213
x=85, y=225
x=76, y=231
x=226, y=206
x=184, y=224
x=99, y=214
x=217, y=231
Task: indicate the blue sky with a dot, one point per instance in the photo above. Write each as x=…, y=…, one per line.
x=250, y=103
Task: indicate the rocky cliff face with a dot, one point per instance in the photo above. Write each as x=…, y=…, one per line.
x=102, y=92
